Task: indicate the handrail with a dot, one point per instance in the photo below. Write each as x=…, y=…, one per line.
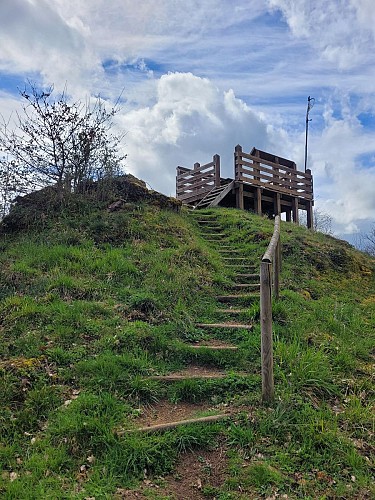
x=193, y=184
x=269, y=285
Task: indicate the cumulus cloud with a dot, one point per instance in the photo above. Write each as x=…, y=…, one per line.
x=190, y=121
x=35, y=38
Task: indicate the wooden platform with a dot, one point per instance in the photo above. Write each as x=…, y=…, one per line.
x=262, y=182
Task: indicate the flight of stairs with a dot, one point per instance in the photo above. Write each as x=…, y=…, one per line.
x=230, y=320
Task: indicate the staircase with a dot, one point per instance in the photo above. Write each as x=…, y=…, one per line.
x=215, y=196
x=219, y=337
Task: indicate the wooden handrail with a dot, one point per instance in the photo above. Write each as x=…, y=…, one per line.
x=193, y=184
x=269, y=285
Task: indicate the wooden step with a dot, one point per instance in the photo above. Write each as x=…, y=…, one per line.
x=172, y=425
x=245, y=275
x=215, y=347
x=235, y=258
x=224, y=325
x=229, y=298
x=240, y=265
x=231, y=311
x=177, y=378
x=244, y=286
x=215, y=234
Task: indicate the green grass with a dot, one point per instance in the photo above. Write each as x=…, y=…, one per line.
x=92, y=303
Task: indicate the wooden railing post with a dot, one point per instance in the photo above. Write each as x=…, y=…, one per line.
x=270, y=268
x=216, y=161
x=266, y=327
x=237, y=153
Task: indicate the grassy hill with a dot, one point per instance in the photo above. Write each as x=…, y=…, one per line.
x=95, y=305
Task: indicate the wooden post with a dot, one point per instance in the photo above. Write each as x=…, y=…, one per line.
x=309, y=209
x=177, y=178
x=256, y=167
x=196, y=166
x=216, y=160
x=258, y=201
x=237, y=155
x=276, y=271
x=266, y=326
x=239, y=196
x=272, y=255
x=277, y=204
x=295, y=210
x=288, y=215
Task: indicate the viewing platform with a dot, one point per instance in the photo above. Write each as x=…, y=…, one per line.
x=263, y=183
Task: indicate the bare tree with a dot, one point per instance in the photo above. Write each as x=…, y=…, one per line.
x=367, y=242
x=58, y=142
x=322, y=222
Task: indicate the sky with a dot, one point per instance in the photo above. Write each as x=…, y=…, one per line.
x=198, y=77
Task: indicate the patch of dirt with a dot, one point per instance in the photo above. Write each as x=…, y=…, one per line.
x=196, y=371
x=195, y=473
x=165, y=411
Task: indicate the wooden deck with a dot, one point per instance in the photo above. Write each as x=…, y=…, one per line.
x=262, y=182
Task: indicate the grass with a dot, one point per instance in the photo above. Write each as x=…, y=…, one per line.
x=93, y=303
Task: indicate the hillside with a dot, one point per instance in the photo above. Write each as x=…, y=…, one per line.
x=97, y=306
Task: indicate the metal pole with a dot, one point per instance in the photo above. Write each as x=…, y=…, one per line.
x=310, y=104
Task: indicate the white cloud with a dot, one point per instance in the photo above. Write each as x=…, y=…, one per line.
x=191, y=121
x=332, y=28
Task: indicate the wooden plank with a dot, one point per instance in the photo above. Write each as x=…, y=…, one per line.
x=271, y=187
x=224, y=325
x=271, y=164
x=289, y=182
x=196, y=195
x=199, y=169
x=193, y=180
x=173, y=425
x=198, y=185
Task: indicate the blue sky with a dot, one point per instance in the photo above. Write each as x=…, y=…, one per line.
x=199, y=77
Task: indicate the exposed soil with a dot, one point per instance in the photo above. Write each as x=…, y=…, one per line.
x=195, y=472
x=196, y=371
x=165, y=411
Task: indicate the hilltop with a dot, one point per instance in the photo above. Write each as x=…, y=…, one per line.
x=98, y=303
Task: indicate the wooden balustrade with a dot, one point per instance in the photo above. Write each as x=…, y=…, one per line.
x=193, y=184
x=273, y=176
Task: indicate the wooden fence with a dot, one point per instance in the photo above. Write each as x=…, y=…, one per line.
x=269, y=286
x=276, y=177
x=193, y=184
